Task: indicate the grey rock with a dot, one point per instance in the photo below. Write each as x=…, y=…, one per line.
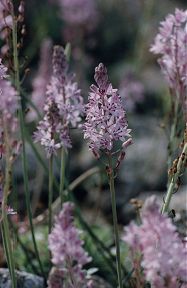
x=144, y=167
x=24, y=280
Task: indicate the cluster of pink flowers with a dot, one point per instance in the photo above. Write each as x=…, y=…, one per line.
x=170, y=44
x=9, y=101
x=67, y=251
x=63, y=107
x=5, y=21
x=164, y=256
x=3, y=70
x=131, y=91
x=78, y=12
x=105, y=116
x=41, y=80
x=5, y=14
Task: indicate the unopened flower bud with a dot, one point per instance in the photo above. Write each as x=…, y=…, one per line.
x=21, y=8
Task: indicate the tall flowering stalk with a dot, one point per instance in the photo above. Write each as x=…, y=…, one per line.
x=157, y=247
x=67, y=251
x=9, y=148
x=105, y=127
x=171, y=45
x=63, y=109
x=17, y=25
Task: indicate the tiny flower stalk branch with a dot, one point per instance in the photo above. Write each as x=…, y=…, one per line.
x=177, y=169
x=22, y=129
x=110, y=173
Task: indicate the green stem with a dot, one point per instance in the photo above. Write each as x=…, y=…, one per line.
x=62, y=175
x=8, y=250
x=5, y=224
x=172, y=185
x=22, y=128
x=50, y=192
x=115, y=221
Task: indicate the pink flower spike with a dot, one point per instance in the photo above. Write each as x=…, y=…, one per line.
x=67, y=251
x=171, y=46
x=63, y=107
x=105, y=117
x=164, y=256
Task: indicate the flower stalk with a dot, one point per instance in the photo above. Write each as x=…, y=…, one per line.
x=22, y=129
x=173, y=134
x=115, y=221
x=62, y=175
x=173, y=184
x=105, y=125
x=50, y=199
x=5, y=225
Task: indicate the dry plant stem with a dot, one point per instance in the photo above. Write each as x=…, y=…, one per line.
x=50, y=192
x=62, y=175
x=115, y=221
x=138, y=275
x=22, y=128
x=172, y=135
x=172, y=185
x=71, y=275
x=5, y=225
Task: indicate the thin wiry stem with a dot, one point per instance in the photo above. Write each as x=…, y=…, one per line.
x=62, y=175
x=22, y=128
x=172, y=135
x=172, y=185
x=50, y=199
x=5, y=225
x=115, y=221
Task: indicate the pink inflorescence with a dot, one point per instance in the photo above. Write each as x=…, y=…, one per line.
x=79, y=12
x=67, y=251
x=164, y=257
x=3, y=71
x=5, y=21
x=5, y=14
x=170, y=44
x=105, y=117
x=63, y=107
x=9, y=101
